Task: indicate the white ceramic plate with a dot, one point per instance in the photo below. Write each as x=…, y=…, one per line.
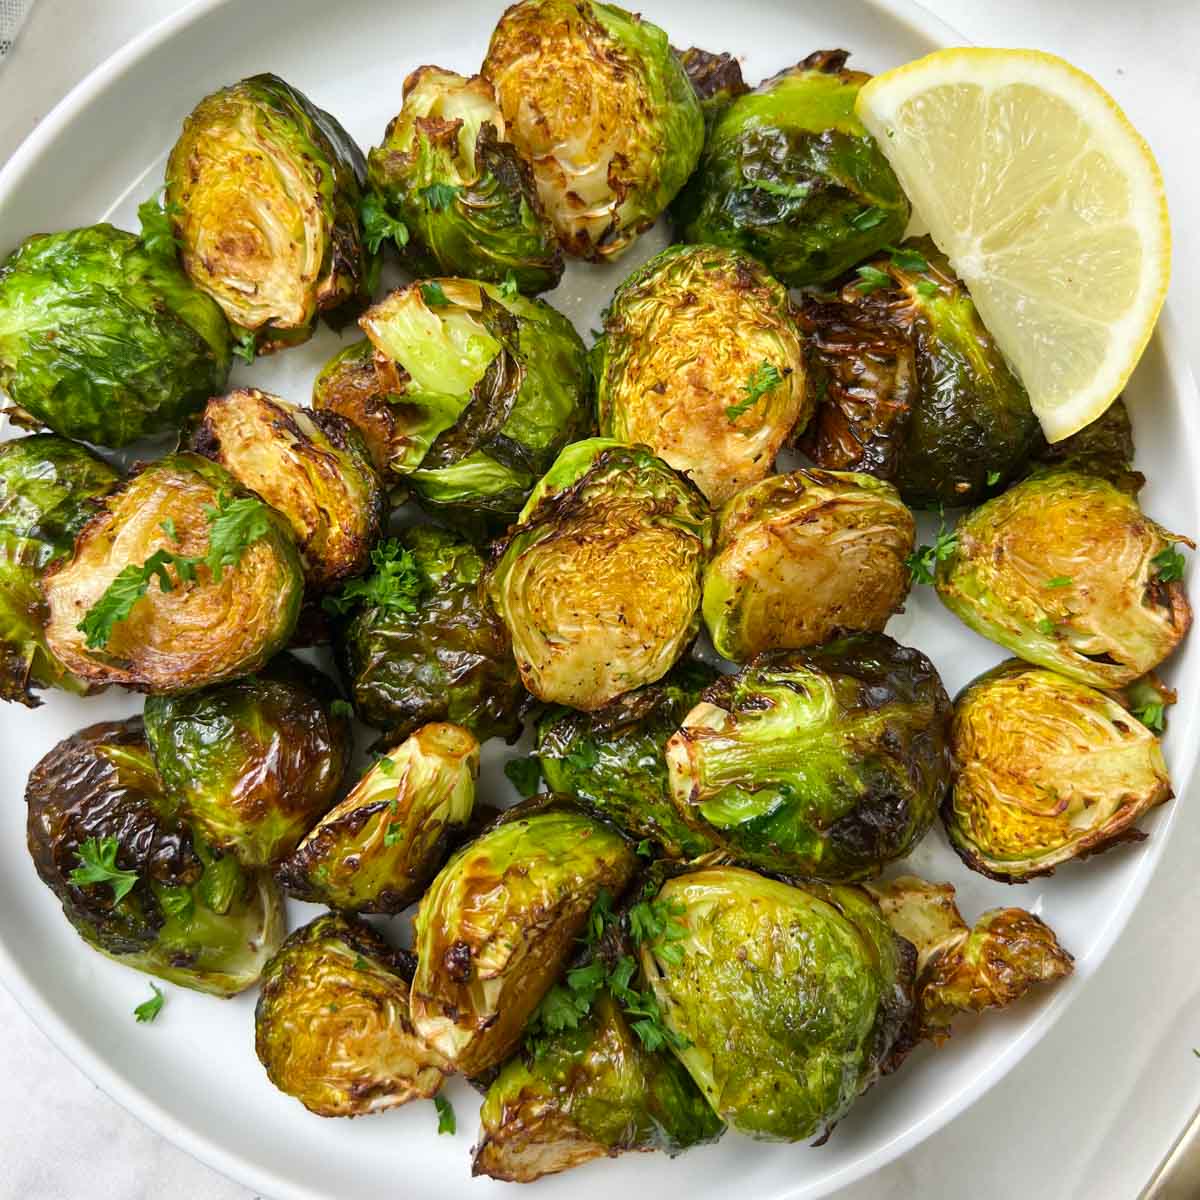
x=193, y=1074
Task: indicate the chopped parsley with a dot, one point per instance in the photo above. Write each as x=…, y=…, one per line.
x=433, y=295
x=1169, y=564
x=1045, y=625
x=993, y=478
x=379, y=225
x=98, y=864
x=907, y=259
x=1059, y=581
x=871, y=279
x=766, y=378
x=644, y=849
x=509, y=290
x=922, y=562
x=361, y=964
x=439, y=196
x=445, y=1115
x=393, y=835
x=341, y=708
x=245, y=345
x=386, y=765
x=525, y=774
x=395, y=585
x=149, y=1009
x=868, y=219
x=928, y=289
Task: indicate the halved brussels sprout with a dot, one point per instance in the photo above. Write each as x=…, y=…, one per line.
x=716, y=78
x=913, y=388
x=422, y=643
x=313, y=467
x=960, y=969
x=203, y=628
x=254, y=762
x=264, y=190
x=828, y=762
x=791, y=999
x=497, y=925
x=790, y=175
x=1066, y=571
x=467, y=198
x=332, y=1025
x=1104, y=447
x=803, y=557
x=135, y=880
x=104, y=339
x=376, y=850
x=1047, y=770
x=611, y=760
x=594, y=1091
x=599, y=582
x=701, y=360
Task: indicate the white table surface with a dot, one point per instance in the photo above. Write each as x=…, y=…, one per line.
x=1092, y=1109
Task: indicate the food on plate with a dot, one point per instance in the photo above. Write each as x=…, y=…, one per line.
x=716, y=78
x=803, y=557
x=1104, y=447
x=790, y=175
x=135, y=878
x=702, y=361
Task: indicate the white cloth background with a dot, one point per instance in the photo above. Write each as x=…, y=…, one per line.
x=12, y=15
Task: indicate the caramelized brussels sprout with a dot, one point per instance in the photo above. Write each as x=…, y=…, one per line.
x=264, y=189
x=594, y=1091
x=255, y=762
x=595, y=98
x=960, y=969
x=913, y=388
x=716, y=78
x=791, y=999
x=611, y=760
x=136, y=881
x=790, y=175
x=173, y=585
x=803, y=557
x=828, y=762
x=1066, y=571
x=497, y=925
x=599, y=582
x=332, y=1025
x=1104, y=448
x=313, y=467
x=1048, y=770
x=378, y=848
x=104, y=339
x=701, y=360
x=466, y=197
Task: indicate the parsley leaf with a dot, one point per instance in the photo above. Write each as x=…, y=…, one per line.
x=168, y=527
x=657, y=920
x=644, y=849
x=600, y=917
x=393, y=835
x=98, y=864
x=360, y=963
x=1169, y=565
x=341, y=708
x=1152, y=715
x=127, y=588
x=158, y=232
x=439, y=196
x=379, y=225
x=525, y=774
x=234, y=525
x=923, y=561
x=149, y=1009
x=1045, y=625
x=509, y=288
x=1059, y=581
x=245, y=346
x=446, y=1119
x=867, y=219
x=433, y=295
x=871, y=279
x=386, y=765
x=766, y=378
x=907, y=259
x=928, y=289
x=993, y=478
x=395, y=585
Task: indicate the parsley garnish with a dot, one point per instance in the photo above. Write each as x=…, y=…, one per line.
x=1059, y=581
x=234, y=526
x=644, y=849
x=1152, y=715
x=386, y=765
x=993, y=478
x=440, y=196
x=394, y=585
x=509, y=288
x=1169, y=564
x=433, y=295
x=98, y=864
x=867, y=219
x=1045, y=625
x=929, y=289
x=871, y=279
x=446, y=1121
x=907, y=259
x=245, y=345
x=342, y=708
x=394, y=834
x=360, y=963
x=525, y=774
x=600, y=917
x=149, y=1009
x=922, y=562
x=765, y=379
x=379, y=225
x=168, y=527
x=158, y=233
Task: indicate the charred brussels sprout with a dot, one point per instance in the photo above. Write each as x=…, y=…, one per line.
x=498, y=923
x=104, y=339
x=599, y=582
x=1067, y=572
x=378, y=848
x=803, y=557
x=597, y=101
x=264, y=189
x=828, y=762
x=1048, y=770
x=332, y=1026
x=701, y=360
x=253, y=762
x=912, y=387
x=467, y=198
x=716, y=78
x=313, y=467
x=175, y=584
x=611, y=760
x=421, y=643
x=135, y=880
x=1104, y=448
x=791, y=999
x=594, y=1091
x=790, y=175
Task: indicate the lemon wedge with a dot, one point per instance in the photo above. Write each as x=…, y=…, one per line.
x=1048, y=203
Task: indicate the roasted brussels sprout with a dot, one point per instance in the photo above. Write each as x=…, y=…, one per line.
x=594, y=1091
x=1048, y=770
x=421, y=643
x=791, y=999
x=701, y=360
x=378, y=848
x=598, y=102
x=332, y=1026
x=497, y=925
x=803, y=557
x=1104, y=448
x=465, y=195
x=599, y=582
x=1066, y=571
x=255, y=762
x=716, y=78
x=174, y=584
x=105, y=339
x=961, y=969
x=135, y=880
x=827, y=762
x=313, y=467
x=264, y=189
x=611, y=760
x=912, y=387
x=790, y=175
